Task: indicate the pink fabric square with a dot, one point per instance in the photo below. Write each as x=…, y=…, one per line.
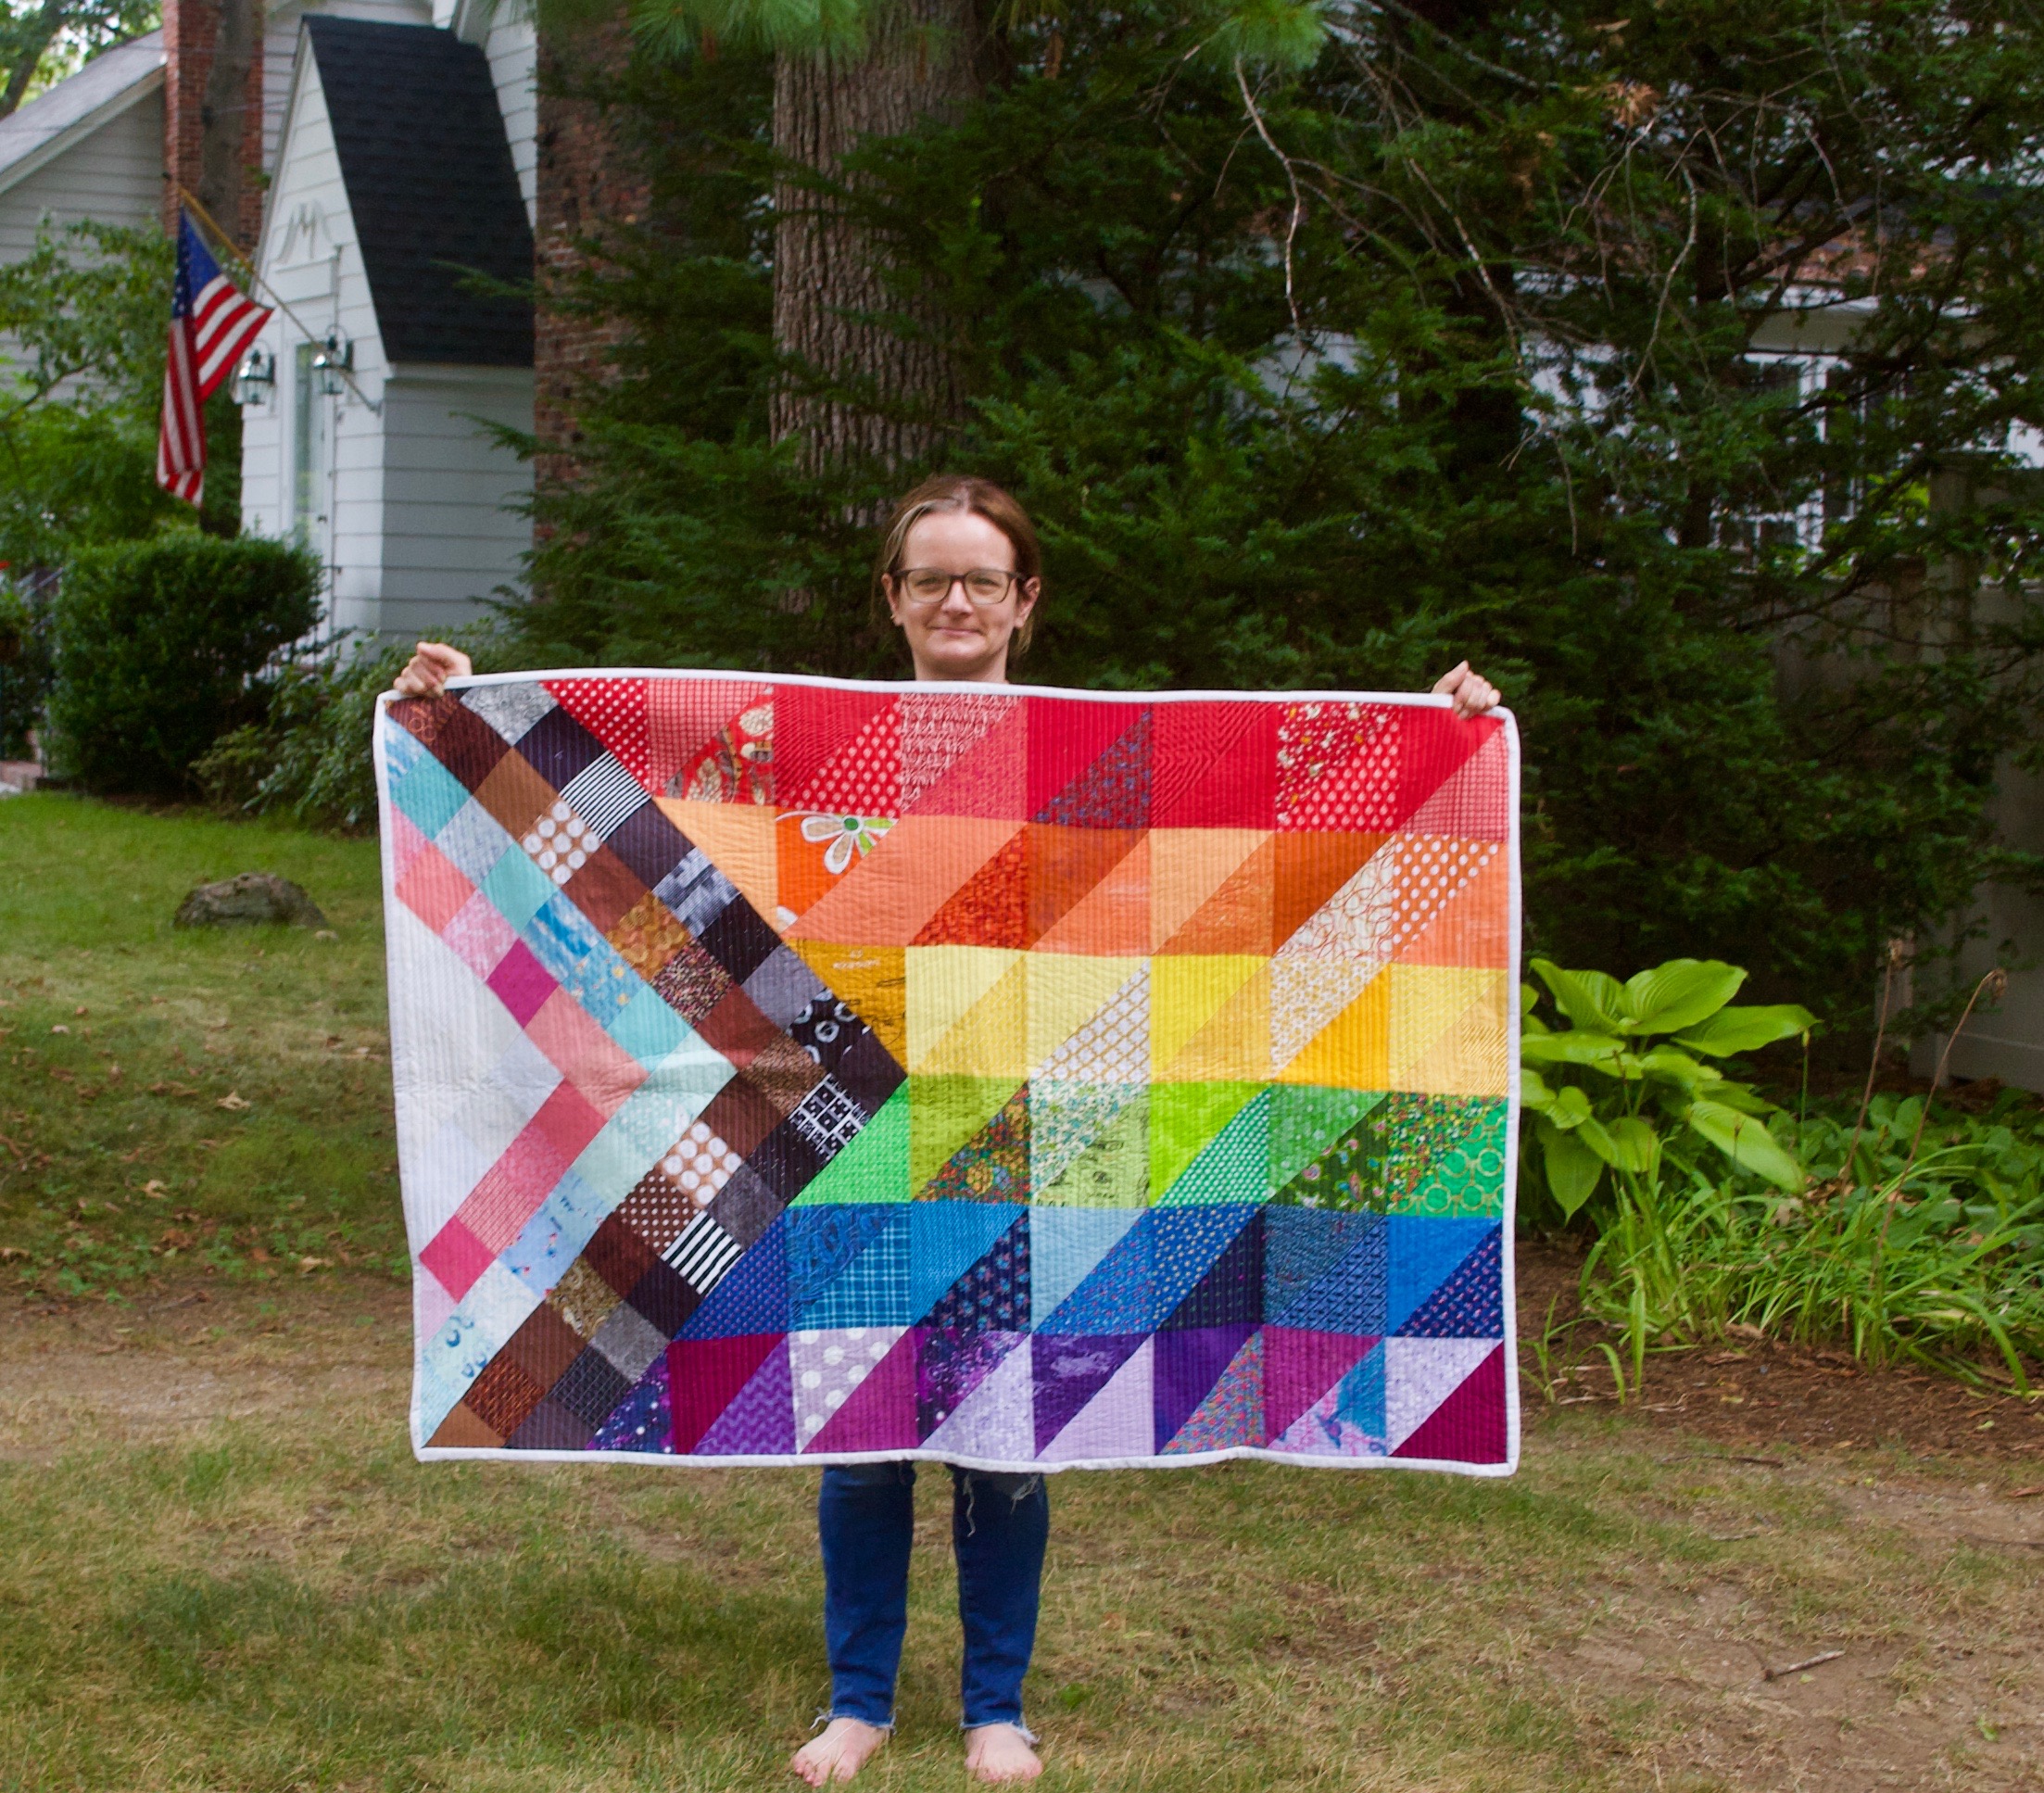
x=402, y=841
x=479, y=936
x=432, y=889
x=514, y=1187
x=457, y=1258
x=567, y=1122
x=522, y=983
x=585, y=1055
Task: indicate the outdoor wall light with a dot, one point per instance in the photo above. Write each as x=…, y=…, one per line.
x=256, y=378
x=332, y=364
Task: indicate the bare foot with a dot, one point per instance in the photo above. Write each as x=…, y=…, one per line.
x=837, y=1752
x=999, y=1752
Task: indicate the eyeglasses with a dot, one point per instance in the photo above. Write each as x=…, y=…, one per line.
x=985, y=586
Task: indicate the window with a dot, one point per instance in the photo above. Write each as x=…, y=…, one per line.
x=311, y=422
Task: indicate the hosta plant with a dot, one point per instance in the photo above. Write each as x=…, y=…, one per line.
x=1629, y=1078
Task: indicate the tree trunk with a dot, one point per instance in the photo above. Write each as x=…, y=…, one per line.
x=225, y=114
x=828, y=271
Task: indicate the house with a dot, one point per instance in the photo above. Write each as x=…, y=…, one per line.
x=400, y=150
x=89, y=148
x=372, y=397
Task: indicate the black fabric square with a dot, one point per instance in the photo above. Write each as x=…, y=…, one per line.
x=590, y=1389
x=663, y=1298
x=786, y=1161
x=869, y=1072
x=739, y=939
x=551, y=1427
x=649, y=843
x=557, y=747
x=745, y=1207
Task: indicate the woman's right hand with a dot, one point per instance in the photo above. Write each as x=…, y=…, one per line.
x=428, y=672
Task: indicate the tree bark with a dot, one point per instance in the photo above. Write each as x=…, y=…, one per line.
x=223, y=114
x=829, y=271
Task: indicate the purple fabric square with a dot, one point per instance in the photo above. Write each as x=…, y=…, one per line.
x=522, y=983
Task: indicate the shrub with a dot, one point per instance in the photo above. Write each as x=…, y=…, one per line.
x=157, y=647
x=308, y=757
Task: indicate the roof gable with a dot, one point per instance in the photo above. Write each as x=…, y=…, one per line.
x=80, y=104
x=431, y=187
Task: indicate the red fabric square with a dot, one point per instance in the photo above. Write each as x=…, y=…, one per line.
x=1066, y=735
x=457, y=1258
x=614, y=711
x=1214, y=765
x=811, y=727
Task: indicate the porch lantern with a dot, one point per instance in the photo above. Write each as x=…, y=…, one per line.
x=256, y=378
x=332, y=364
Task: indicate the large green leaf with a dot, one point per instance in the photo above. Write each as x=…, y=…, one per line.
x=1599, y=1050
x=1636, y=1144
x=1747, y=1029
x=1574, y=1170
x=1745, y=1141
x=1672, y=1067
x=1590, y=999
x=1678, y=995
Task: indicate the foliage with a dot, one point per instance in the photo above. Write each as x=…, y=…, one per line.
x=156, y=646
x=24, y=661
x=83, y=318
x=43, y=40
x=1632, y=1063
x=308, y=756
x=1444, y=344
x=1921, y=1237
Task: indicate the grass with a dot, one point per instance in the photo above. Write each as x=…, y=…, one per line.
x=276, y=1608
x=276, y=1596
x=129, y=1048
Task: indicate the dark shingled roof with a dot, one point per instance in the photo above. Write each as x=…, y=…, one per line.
x=431, y=185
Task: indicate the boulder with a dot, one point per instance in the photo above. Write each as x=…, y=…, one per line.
x=249, y=897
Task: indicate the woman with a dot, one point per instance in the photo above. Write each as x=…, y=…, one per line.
x=961, y=573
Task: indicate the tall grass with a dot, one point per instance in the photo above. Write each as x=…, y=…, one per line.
x=1921, y=1238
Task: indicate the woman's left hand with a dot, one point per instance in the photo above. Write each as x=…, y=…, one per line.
x=1474, y=695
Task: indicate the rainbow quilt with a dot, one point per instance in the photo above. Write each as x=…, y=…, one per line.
x=793, y=1071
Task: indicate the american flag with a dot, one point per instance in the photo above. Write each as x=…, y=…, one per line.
x=213, y=321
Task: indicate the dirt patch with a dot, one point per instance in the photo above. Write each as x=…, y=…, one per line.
x=1758, y=1395
x=183, y=1358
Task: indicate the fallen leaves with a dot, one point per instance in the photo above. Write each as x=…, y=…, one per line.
x=156, y=1189
x=308, y=1265
x=233, y=1101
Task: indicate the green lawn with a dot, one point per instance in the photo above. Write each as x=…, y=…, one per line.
x=220, y=1569
x=123, y=1036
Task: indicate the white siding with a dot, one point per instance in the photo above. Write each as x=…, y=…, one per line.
x=452, y=534
x=421, y=532
x=310, y=259
x=113, y=173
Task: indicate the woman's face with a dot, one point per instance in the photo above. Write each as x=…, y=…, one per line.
x=954, y=638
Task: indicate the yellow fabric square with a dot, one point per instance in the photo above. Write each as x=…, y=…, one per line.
x=1233, y=1044
x=968, y=1011
x=1353, y=1052
x=1064, y=992
x=1447, y=1028
x=1186, y=992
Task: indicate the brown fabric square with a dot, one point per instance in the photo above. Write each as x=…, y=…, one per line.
x=468, y=746
x=657, y=1209
x=503, y=1395
x=741, y=1116
x=738, y=1029
x=462, y=1431
x=692, y=984
x=618, y=1255
x=515, y=794
x=583, y=1299
x=784, y=1073
x=605, y=889
x=647, y=936
x=543, y=1346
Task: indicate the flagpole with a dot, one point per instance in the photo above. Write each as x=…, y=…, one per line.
x=222, y=241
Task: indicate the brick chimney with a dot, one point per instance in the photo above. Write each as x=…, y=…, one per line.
x=213, y=106
x=587, y=180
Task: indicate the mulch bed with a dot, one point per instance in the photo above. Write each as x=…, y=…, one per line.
x=1758, y=1395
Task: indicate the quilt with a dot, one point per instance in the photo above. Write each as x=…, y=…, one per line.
x=796, y=1071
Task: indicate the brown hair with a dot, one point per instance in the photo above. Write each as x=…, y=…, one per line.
x=981, y=497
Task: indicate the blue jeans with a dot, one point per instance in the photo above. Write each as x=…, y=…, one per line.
x=865, y=1517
